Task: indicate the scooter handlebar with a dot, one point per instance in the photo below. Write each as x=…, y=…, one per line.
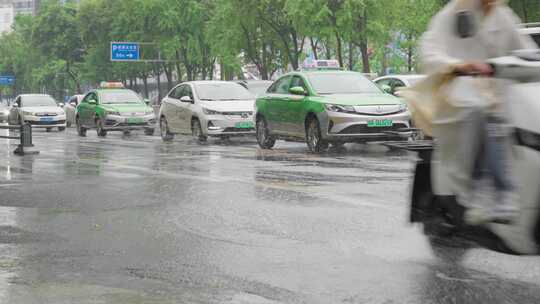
x=524, y=66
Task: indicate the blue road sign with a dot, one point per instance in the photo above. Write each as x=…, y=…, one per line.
x=125, y=51
x=7, y=80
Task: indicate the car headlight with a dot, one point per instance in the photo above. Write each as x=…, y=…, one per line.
x=210, y=112
x=113, y=113
x=28, y=113
x=403, y=107
x=339, y=108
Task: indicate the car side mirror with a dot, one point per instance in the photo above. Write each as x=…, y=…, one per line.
x=92, y=102
x=297, y=91
x=15, y=105
x=61, y=104
x=186, y=99
x=147, y=101
x=386, y=88
x=73, y=104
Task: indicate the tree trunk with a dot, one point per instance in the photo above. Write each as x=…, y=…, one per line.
x=314, y=47
x=339, y=49
x=179, y=73
x=158, y=73
x=145, y=83
x=365, y=57
x=351, y=56
x=328, y=51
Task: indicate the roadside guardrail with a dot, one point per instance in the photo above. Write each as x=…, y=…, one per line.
x=24, y=137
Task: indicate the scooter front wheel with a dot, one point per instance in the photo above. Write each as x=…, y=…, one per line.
x=444, y=242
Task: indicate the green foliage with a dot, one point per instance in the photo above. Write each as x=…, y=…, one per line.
x=66, y=46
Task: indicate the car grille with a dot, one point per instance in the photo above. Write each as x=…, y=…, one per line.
x=364, y=129
x=238, y=130
x=46, y=114
x=46, y=123
x=378, y=110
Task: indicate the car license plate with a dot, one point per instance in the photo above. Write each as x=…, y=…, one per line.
x=135, y=120
x=244, y=125
x=377, y=123
x=46, y=119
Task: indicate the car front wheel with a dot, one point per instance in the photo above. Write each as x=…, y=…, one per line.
x=101, y=132
x=314, y=140
x=80, y=129
x=196, y=131
x=263, y=134
x=166, y=135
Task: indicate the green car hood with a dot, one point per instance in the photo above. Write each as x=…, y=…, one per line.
x=360, y=99
x=127, y=108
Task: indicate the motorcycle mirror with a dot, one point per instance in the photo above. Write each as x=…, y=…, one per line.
x=465, y=25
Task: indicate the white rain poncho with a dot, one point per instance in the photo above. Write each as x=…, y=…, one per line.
x=450, y=107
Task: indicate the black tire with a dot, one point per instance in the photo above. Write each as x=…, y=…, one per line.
x=80, y=129
x=99, y=128
x=61, y=129
x=448, y=250
x=263, y=134
x=149, y=132
x=314, y=139
x=196, y=131
x=166, y=135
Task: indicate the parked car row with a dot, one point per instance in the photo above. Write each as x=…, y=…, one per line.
x=319, y=105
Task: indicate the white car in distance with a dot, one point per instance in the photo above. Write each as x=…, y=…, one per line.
x=39, y=110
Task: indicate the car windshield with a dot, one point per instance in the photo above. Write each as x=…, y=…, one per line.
x=222, y=91
x=119, y=96
x=38, y=101
x=342, y=83
x=258, y=88
x=536, y=38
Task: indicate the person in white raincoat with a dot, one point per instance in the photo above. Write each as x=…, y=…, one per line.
x=460, y=127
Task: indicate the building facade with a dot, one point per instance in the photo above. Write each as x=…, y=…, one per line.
x=6, y=18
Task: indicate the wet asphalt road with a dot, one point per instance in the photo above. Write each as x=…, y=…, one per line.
x=135, y=220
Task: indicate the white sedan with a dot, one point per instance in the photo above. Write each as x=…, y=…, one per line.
x=207, y=108
x=39, y=110
x=392, y=83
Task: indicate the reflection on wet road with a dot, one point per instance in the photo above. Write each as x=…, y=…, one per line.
x=135, y=220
